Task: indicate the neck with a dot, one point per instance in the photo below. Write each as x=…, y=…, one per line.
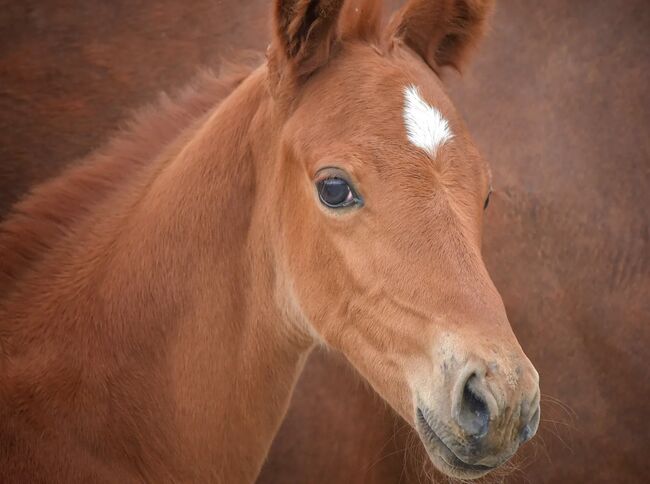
x=190, y=309
x=235, y=358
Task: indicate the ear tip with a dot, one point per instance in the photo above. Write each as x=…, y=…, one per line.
x=304, y=31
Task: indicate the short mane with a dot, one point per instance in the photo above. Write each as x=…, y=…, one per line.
x=36, y=223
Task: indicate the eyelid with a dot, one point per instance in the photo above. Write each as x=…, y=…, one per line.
x=332, y=172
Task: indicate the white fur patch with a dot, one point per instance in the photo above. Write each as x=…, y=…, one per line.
x=425, y=126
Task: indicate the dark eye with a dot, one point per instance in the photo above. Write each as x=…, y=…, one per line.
x=487, y=200
x=336, y=193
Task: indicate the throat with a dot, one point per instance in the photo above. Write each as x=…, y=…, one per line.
x=233, y=386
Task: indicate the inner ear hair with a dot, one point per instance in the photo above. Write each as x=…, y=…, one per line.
x=305, y=31
x=298, y=18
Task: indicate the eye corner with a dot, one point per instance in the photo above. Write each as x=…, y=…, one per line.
x=487, y=199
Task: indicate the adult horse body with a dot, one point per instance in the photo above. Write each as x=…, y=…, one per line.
x=160, y=299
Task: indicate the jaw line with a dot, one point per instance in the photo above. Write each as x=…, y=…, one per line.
x=436, y=448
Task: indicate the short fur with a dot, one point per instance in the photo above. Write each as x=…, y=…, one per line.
x=38, y=222
x=159, y=300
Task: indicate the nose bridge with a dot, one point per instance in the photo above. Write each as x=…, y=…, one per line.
x=443, y=265
x=481, y=322
x=467, y=283
x=488, y=344
x=477, y=307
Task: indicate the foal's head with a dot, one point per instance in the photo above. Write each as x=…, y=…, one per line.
x=379, y=207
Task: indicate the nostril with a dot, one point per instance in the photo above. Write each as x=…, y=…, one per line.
x=474, y=416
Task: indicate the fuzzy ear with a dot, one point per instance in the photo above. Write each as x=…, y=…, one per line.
x=442, y=32
x=305, y=33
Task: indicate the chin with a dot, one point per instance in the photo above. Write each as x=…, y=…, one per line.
x=464, y=471
x=443, y=458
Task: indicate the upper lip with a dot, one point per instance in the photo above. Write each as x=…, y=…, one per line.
x=448, y=455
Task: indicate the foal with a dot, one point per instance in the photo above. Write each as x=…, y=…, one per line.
x=159, y=300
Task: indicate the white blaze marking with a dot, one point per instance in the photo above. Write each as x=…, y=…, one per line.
x=425, y=126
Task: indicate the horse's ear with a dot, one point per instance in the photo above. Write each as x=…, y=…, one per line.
x=442, y=32
x=305, y=32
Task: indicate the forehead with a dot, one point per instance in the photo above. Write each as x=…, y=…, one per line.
x=390, y=105
x=362, y=83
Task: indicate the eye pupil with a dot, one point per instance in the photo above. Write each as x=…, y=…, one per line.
x=335, y=192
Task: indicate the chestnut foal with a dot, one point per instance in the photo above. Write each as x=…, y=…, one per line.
x=158, y=301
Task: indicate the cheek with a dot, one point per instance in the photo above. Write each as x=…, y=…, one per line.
x=320, y=284
x=327, y=273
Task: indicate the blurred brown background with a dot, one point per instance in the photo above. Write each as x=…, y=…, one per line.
x=558, y=99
